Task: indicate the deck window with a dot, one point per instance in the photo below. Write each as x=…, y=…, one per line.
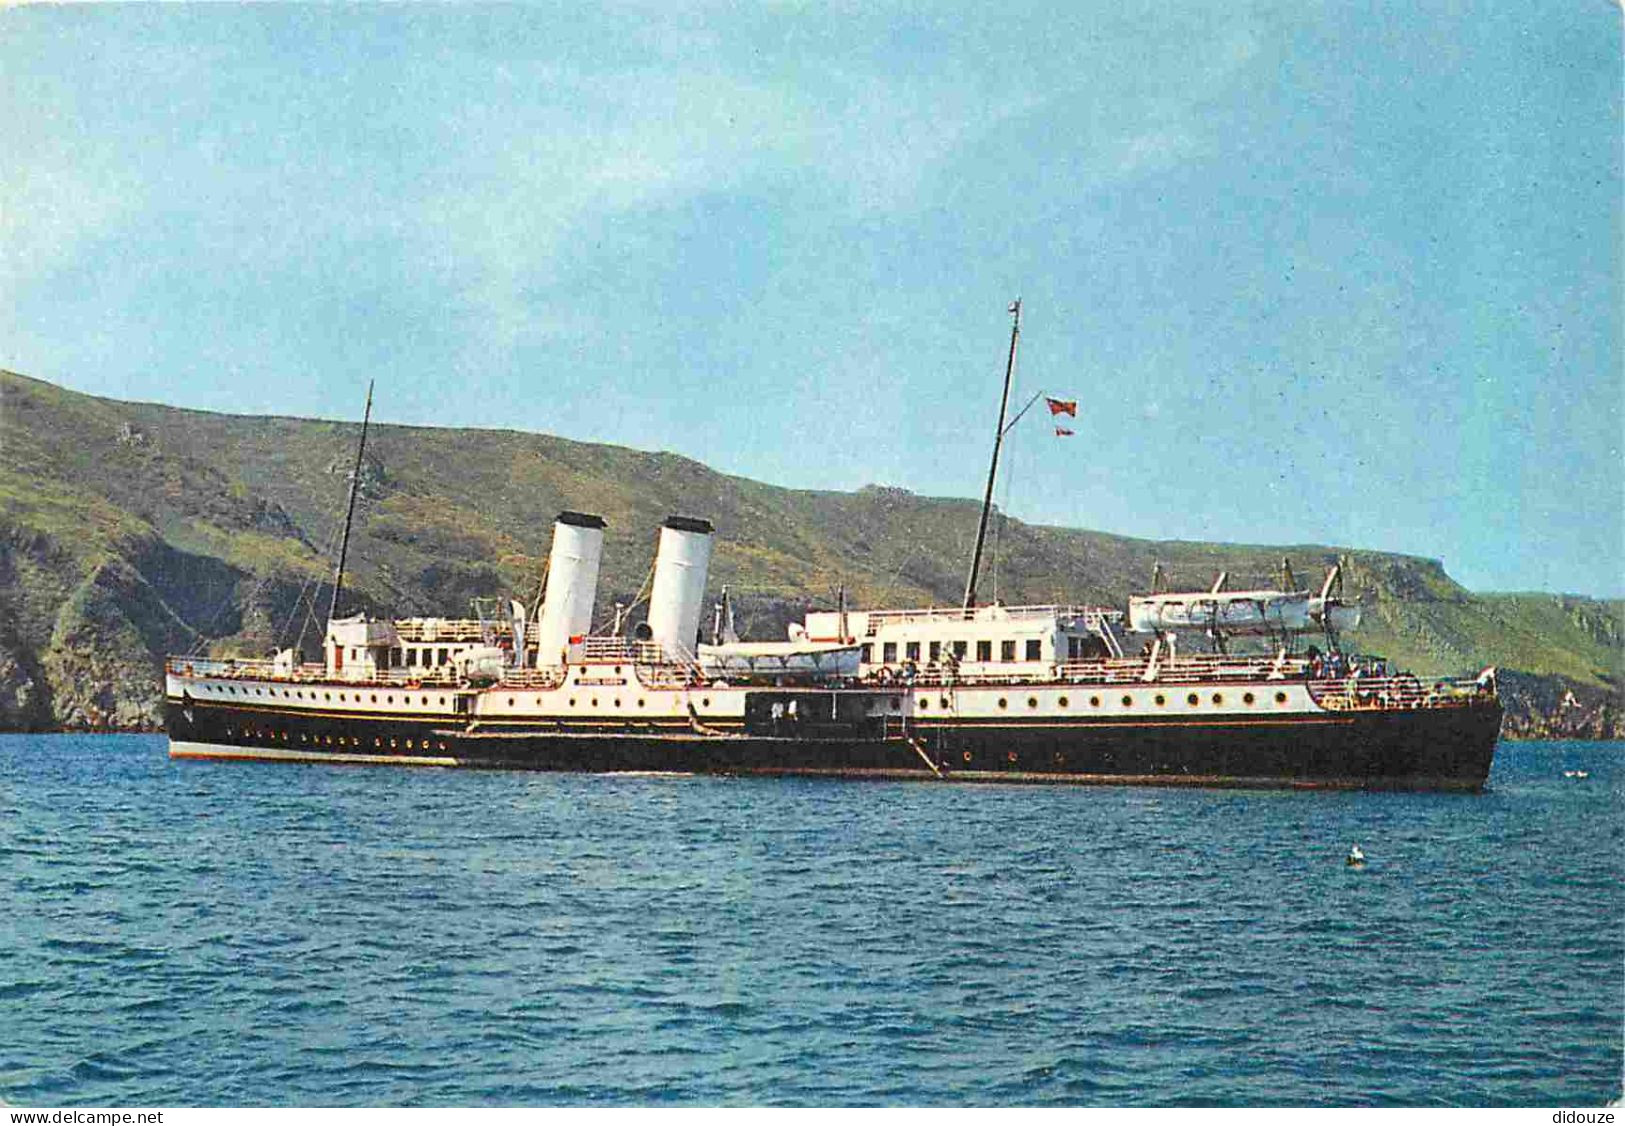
x=868, y=652
x=411, y=658
x=1007, y=650
x=888, y=652
x=959, y=649
x=1035, y=650
x=935, y=651
x=912, y=650
x=984, y=650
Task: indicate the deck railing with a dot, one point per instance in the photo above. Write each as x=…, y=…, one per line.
x=1353, y=693
x=1091, y=615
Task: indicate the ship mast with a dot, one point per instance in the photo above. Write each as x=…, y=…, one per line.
x=349, y=512
x=993, y=470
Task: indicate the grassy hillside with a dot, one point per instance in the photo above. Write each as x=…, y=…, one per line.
x=131, y=530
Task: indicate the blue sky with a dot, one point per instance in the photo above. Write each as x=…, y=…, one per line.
x=1315, y=273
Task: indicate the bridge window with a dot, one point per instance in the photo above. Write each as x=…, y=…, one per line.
x=411, y=658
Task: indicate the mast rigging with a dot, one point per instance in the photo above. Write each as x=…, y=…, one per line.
x=349, y=512
x=993, y=470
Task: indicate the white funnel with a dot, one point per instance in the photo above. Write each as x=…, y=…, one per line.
x=572, y=581
x=681, y=565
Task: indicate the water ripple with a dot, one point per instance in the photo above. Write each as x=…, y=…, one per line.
x=352, y=937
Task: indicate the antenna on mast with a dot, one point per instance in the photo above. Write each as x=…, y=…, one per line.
x=349, y=512
x=993, y=470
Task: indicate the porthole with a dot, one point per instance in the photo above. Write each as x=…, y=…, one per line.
x=595, y=701
x=442, y=746
x=1010, y=757
x=924, y=704
x=302, y=739
x=510, y=701
x=1161, y=700
x=1280, y=697
x=617, y=701
x=1032, y=701
x=409, y=744
x=1094, y=701
x=705, y=701
x=389, y=699
x=1128, y=701
x=1003, y=703
x=572, y=701
x=1218, y=697
x=1193, y=699
x=1247, y=699
x=378, y=742
x=328, y=696
x=375, y=698
x=392, y=744
x=942, y=703
x=442, y=701
x=1062, y=701
x=641, y=701
x=966, y=756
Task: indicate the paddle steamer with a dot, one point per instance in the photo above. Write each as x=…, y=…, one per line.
x=975, y=693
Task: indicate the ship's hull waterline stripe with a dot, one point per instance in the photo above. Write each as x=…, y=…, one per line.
x=217, y=751
x=181, y=749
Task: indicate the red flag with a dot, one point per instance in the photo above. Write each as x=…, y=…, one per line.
x=1062, y=406
x=1062, y=432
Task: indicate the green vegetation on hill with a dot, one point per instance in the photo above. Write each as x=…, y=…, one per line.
x=131, y=530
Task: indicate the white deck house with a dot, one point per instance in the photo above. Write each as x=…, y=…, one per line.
x=988, y=640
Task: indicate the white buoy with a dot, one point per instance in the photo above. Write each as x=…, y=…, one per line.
x=1356, y=858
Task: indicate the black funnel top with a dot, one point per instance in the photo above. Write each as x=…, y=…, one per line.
x=581, y=520
x=689, y=524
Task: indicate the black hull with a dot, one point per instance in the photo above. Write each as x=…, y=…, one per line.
x=1448, y=748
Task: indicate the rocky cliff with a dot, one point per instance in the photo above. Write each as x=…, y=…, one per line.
x=128, y=531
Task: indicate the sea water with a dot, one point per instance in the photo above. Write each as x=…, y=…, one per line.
x=182, y=933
